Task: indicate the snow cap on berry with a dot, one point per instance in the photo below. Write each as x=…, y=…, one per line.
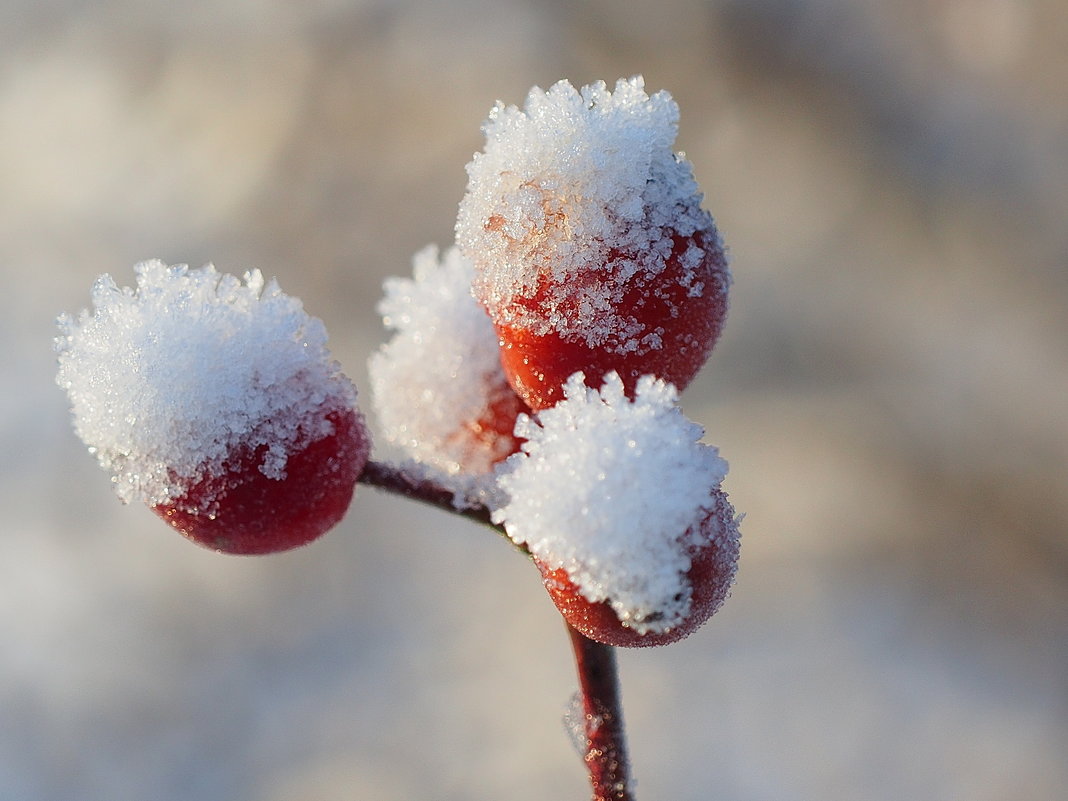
x=574, y=196
x=612, y=491
x=439, y=392
x=169, y=379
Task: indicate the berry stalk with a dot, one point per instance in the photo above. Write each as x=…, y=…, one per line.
x=606, y=749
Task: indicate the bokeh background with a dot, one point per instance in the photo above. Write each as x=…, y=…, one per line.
x=892, y=179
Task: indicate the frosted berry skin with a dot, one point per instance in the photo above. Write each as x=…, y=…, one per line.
x=681, y=315
x=243, y=511
x=490, y=439
x=711, y=575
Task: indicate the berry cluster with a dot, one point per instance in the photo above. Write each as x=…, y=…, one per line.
x=536, y=364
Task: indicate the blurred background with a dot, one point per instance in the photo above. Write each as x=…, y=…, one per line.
x=892, y=180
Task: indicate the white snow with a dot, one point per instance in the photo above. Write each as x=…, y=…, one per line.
x=165, y=379
x=572, y=196
x=436, y=383
x=608, y=489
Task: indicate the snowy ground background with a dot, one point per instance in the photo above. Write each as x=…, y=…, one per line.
x=892, y=179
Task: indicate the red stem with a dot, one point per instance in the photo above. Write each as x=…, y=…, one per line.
x=606, y=749
x=419, y=488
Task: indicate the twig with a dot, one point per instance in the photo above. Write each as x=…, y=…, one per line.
x=392, y=478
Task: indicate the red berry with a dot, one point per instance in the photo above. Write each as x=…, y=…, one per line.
x=711, y=574
x=242, y=511
x=678, y=316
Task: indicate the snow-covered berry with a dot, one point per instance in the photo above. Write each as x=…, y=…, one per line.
x=216, y=403
x=438, y=388
x=591, y=249
x=621, y=506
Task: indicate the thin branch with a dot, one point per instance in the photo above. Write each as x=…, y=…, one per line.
x=426, y=489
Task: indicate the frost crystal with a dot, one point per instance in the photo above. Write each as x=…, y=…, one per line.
x=167, y=380
x=575, y=724
x=573, y=197
x=438, y=388
x=611, y=491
